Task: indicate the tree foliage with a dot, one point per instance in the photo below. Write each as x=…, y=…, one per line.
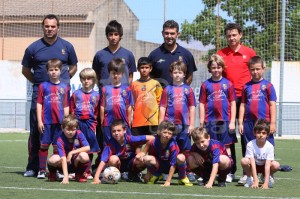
x=259, y=21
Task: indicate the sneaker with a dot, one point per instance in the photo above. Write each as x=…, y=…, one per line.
x=29, y=173
x=249, y=182
x=41, y=174
x=88, y=175
x=221, y=184
x=242, y=180
x=60, y=175
x=124, y=176
x=202, y=182
x=154, y=179
x=185, y=181
x=135, y=177
x=71, y=176
x=80, y=177
x=191, y=177
x=52, y=176
x=271, y=182
x=165, y=177
x=230, y=177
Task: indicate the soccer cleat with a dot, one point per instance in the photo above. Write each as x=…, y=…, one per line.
x=249, y=182
x=202, y=182
x=230, y=177
x=71, y=176
x=135, y=177
x=52, y=176
x=41, y=174
x=271, y=182
x=88, y=175
x=29, y=173
x=80, y=177
x=124, y=176
x=185, y=181
x=221, y=184
x=191, y=176
x=242, y=180
x=154, y=179
x=59, y=175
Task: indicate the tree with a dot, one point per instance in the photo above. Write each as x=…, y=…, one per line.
x=258, y=19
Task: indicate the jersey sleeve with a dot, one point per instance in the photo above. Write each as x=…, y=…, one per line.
x=164, y=98
x=72, y=58
x=271, y=93
x=158, y=92
x=66, y=97
x=131, y=64
x=103, y=97
x=129, y=99
x=191, y=98
x=216, y=155
x=61, y=148
x=27, y=60
x=174, y=150
x=40, y=96
x=203, y=94
x=73, y=104
x=231, y=93
x=106, y=154
x=249, y=150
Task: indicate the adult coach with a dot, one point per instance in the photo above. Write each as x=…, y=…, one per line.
x=167, y=53
x=236, y=57
x=34, y=69
x=114, y=33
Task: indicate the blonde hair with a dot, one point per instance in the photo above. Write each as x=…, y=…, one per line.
x=198, y=133
x=88, y=73
x=69, y=121
x=216, y=58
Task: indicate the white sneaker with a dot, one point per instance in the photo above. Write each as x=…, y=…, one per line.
x=59, y=175
x=271, y=182
x=249, y=182
x=29, y=173
x=165, y=176
x=41, y=174
x=242, y=180
x=71, y=176
x=230, y=177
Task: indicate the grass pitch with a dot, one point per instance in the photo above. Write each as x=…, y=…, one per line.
x=13, y=185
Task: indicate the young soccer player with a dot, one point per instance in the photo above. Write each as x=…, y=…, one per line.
x=164, y=156
x=208, y=158
x=72, y=154
x=259, y=157
x=146, y=95
x=52, y=105
x=85, y=106
x=258, y=101
x=217, y=106
x=178, y=105
x=120, y=152
x=116, y=100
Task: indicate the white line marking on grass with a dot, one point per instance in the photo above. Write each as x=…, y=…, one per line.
x=141, y=193
x=7, y=167
x=13, y=140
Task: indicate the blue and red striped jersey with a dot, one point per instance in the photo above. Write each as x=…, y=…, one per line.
x=177, y=100
x=257, y=97
x=85, y=106
x=53, y=98
x=217, y=96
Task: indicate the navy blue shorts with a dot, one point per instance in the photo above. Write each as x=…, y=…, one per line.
x=90, y=136
x=50, y=134
x=219, y=130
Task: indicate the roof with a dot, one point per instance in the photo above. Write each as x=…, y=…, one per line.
x=44, y=7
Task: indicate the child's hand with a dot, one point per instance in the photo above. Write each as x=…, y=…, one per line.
x=241, y=129
x=69, y=157
x=255, y=184
x=231, y=126
x=191, y=127
x=167, y=184
x=65, y=180
x=41, y=127
x=96, y=181
x=272, y=128
x=140, y=156
x=208, y=185
x=265, y=186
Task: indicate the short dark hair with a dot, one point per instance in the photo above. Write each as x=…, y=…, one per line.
x=117, y=65
x=256, y=60
x=144, y=61
x=232, y=26
x=50, y=16
x=114, y=26
x=262, y=124
x=118, y=122
x=171, y=24
x=167, y=125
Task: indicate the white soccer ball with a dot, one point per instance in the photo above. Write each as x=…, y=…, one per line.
x=111, y=175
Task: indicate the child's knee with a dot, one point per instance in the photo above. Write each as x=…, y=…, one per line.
x=54, y=160
x=275, y=166
x=180, y=158
x=83, y=157
x=245, y=162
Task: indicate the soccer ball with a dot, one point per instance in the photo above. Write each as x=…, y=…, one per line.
x=111, y=175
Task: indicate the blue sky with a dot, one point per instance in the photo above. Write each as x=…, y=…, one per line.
x=151, y=15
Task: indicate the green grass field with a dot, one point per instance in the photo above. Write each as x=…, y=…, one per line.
x=13, y=185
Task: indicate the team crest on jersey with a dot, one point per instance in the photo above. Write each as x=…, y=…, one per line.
x=186, y=91
x=62, y=90
x=263, y=87
x=224, y=86
x=63, y=51
x=180, y=58
x=144, y=88
x=94, y=99
x=76, y=142
x=161, y=60
x=167, y=154
x=124, y=93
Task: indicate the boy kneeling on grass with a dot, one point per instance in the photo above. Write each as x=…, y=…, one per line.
x=72, y=156
x=259, y=157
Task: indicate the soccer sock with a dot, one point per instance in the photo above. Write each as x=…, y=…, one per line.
x=81, y=167
x=43, y=154
x=182, y=170
x=153, y=170
x=223, y=174
x=55, y=151
x=51, y=168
